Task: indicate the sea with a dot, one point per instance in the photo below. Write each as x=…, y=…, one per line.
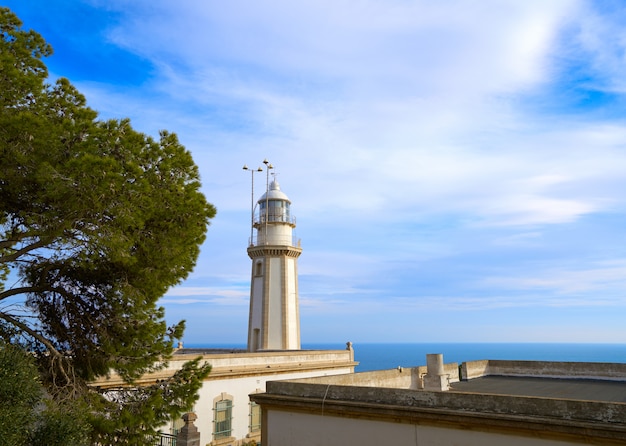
x=388, y=356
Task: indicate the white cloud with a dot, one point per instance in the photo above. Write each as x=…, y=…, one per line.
x=383, y=106
x=185, y=295
x=606, y=281
x=599, y=23
x=406, y=133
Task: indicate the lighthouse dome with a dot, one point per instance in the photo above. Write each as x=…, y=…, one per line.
x=274, y=193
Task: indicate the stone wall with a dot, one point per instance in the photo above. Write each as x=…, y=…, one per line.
x=332, y=401
x=544, y=369
x=398, y=378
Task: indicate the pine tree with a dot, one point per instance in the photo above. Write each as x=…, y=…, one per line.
x=97, y=221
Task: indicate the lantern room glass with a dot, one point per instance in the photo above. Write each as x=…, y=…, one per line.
x=278, y=211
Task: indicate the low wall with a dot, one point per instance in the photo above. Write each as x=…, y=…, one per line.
x=322, y=396
x=474, y=369
x=398, y=378
x=544, y=369
x=239, y=364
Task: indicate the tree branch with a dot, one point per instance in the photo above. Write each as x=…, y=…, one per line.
x=15, y=291
x=14, y=237
x=51, y=348
x=17, y=253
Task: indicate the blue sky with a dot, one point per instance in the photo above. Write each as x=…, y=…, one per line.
x=457, y=168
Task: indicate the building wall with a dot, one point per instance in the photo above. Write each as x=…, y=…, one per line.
x=256, y=306
x=274, y=315
x=236, y=376
x=302, y=429
x=545, y=369
x=275, y=302
x=277, y=234
x=240, y=388
x=293, y=318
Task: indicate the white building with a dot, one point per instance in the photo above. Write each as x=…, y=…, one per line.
x=226, y=416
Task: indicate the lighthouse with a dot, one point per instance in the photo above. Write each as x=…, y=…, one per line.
x=274, y=322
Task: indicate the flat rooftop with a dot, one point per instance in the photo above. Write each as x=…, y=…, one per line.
x=567, y=401
x=208, y=351
x=561, y=388
x=237, y=363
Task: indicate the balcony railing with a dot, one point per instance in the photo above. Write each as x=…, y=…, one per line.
x=274, y=218
x=162, y=439
x=276, y=240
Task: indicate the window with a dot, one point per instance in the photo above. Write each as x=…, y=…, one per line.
x=255, y=417
x=223, y=418
x=259, y=268
x=176, y=425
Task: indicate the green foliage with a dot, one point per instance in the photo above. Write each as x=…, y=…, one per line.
x=62, y=426
x=20, y=390
x=27, y=416
x=97, y=221
x=21, y=69
x=132, y=423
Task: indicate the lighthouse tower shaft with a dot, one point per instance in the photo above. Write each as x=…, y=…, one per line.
x=274, y=322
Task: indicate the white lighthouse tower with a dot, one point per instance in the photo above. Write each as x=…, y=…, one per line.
x=274, y=310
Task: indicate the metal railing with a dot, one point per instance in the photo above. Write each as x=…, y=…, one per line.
x=163, y=439
x=285, y=241
x=274, y=218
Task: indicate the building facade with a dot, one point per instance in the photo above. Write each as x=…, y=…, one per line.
x=225, y=414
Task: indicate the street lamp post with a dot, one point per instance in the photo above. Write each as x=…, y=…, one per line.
x=268, y=167
x=252, y=171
